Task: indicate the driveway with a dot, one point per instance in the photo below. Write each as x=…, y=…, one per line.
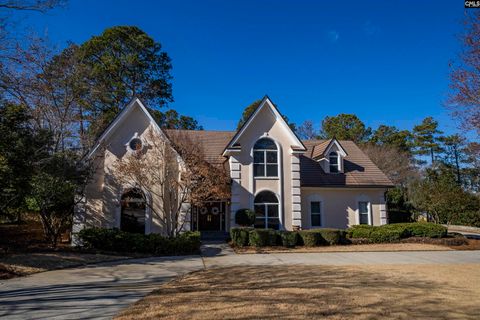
x=101, y=291
x=92, y=292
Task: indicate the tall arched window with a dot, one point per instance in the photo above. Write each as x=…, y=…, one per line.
x=334, y=163
x=132, y=218
x=266, y=210
x=265, y=158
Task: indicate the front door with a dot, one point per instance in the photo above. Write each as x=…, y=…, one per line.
x=210, y=216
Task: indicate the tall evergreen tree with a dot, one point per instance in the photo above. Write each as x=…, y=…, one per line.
x=426, y=138
x=345, y=127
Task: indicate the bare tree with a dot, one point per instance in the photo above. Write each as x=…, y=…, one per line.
x=49, y=85
x=464, y=100
x=307, y=131
x=396, y=164
x=174, y=173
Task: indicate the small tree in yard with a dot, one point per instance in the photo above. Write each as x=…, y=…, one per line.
x=55, y=190
x=441, y=197
x=175, y=173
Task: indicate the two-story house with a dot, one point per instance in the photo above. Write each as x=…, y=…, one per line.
x=290, y=183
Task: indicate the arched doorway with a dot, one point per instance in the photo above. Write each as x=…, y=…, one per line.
x=132, y=218
x=266, y=211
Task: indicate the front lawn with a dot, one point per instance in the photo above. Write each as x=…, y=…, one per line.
x=313, y=292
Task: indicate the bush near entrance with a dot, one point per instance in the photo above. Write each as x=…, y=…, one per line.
x=245, y=217
x=323, y=237
x=114, y=240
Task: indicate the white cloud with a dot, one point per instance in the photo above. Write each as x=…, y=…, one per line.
x=333, y=35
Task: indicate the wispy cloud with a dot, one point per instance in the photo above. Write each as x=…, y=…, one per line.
x=333, y=35
x=369, y=29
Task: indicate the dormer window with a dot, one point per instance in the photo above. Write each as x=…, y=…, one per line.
x=334, y=161
x=265, y=158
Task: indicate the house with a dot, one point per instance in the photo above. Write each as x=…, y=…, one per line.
x=290, y=183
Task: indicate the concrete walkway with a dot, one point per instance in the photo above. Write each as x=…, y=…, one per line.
x=101, y=291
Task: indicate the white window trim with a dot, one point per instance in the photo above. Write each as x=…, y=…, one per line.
x=338, y=165
x=266, y=218
x=265, y=164
x=317, y=198
x=369, y=208
x=148, y=209
x=322, y=223
x=278, y=204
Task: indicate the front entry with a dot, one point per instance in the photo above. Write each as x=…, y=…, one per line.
x=209, y=217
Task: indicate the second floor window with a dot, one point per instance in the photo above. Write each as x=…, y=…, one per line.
x=334, y=163
x=265, y=158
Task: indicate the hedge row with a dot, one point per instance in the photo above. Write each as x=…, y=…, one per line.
x=244, y=236
x=266, y=237
x=119, y=241
x=397, y=231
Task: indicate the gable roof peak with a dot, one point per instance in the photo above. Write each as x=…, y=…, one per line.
x=266, y=101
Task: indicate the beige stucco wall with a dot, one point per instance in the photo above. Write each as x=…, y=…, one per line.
x=246, y=187
x=340, y=205
x=101, y=206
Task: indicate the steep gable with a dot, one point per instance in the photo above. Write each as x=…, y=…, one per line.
x=266, y=104
x=135, y=106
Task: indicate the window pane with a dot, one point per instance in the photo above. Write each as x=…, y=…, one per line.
x=363, y=207
x=271, y=156
x=316, y=220
x=333, y=160
x=363, y=218
x=333, y=168
x=258, y=157
x=265, y=143
x=266, y=197
x=258, y=170
x=315, y=207
x=272, y=170
x=260, y=210
x=272, y=210
x=273, y=223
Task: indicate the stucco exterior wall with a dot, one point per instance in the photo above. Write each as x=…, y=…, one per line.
x=101, y=206
x=247, y=186
x=339, y=206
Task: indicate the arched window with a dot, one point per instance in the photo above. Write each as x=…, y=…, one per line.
x=265, y=158
x=334, y=162
x=132, y=218
x=266, y=210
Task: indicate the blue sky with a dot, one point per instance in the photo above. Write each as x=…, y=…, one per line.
x=386, y=61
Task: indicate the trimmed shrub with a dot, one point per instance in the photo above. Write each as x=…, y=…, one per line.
x=309, y=238
x=386, y=235
x=424, y=229
x=261, y=237
x=245, y=217
x=125, y=242
x=330, y=236
x=360, y=231
x=289, y=238
x=240, y=236
x=397, y=231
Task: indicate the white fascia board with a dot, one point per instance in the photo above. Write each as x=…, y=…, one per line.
x=278, y=117
x=343, y=153
x=120, y=117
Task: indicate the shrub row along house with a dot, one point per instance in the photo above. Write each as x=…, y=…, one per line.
x=143, y=179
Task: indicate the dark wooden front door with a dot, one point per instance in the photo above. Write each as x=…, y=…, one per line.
x=209, y=222
x=209, y=217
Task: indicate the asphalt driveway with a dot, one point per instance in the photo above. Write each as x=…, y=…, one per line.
x=101, y=291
